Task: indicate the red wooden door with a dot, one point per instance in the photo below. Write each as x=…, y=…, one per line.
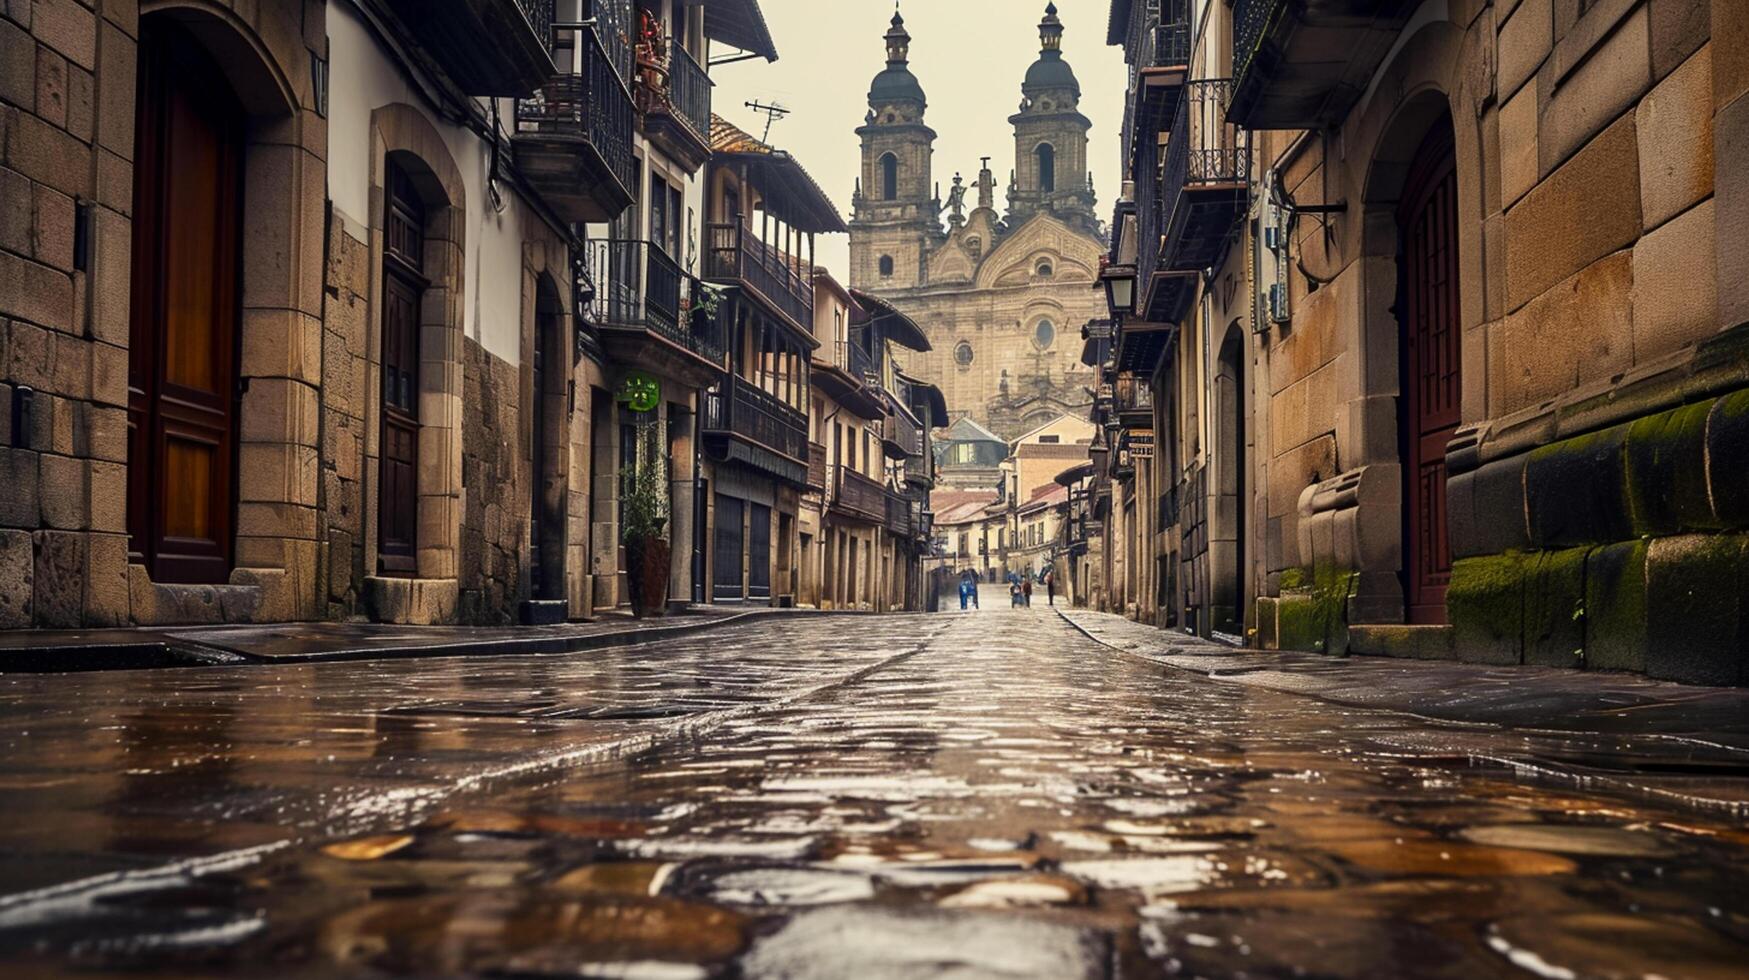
x=1427, y=225
x=403, y=287
x=182, y=386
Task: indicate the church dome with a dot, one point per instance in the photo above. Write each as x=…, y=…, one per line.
x=1050, y=71
x=896, y=83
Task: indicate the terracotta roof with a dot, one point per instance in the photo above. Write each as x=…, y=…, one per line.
x=791, y=194
x=959, y=506
x=1048, y=495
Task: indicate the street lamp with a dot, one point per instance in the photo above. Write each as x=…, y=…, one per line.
x=1120, y=288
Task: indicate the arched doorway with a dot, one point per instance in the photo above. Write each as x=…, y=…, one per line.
x=546, y=524
x=1430, y=359
x=404, y=286
x=1228, y=547
x=184, y=310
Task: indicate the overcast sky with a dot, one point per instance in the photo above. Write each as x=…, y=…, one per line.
x=969, y=55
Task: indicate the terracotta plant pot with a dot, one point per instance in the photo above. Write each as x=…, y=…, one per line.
x=647, y=574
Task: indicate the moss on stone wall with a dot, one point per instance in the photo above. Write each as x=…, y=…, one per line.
x=1554, y=608
x=1485, y=602
x=1615, y=607
x=1312, y=610
x=1666, y=472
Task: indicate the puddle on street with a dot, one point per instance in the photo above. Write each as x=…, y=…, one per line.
x=1012, y=801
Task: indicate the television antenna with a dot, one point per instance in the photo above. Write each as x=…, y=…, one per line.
x=772, y=113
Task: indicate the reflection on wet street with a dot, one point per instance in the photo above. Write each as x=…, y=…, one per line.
x=987, y=794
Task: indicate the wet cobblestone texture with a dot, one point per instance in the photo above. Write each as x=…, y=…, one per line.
x=991, y=794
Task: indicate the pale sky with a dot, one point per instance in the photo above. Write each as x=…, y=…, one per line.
x=969, y=55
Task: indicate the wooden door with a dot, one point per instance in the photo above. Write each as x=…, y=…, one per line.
x=1427, y=226
x=403, y=288
x=726, y=564
x=182, y=379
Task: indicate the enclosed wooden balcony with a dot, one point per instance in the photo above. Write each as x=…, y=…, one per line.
x=488, y=47
x=747, y=425
x=816, y=466
x=573, y=137
x=1133, y=401
x=1302, y=64
x=734, y=256
x=901, y=436
x=857, y=497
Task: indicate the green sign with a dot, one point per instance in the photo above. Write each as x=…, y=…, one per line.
x=640, y=392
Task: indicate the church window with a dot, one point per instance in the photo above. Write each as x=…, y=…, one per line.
x=1043, y=334
x=889, y=177
x=962, y=354
x=1047, y=167
x=886, y=265
x=1043, y=268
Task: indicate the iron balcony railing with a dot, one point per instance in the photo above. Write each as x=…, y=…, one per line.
x=689, y=91
x=1159, y=35
x=638, y=285
x=1251, y=18
x=857, y=495
x=587, y=99
x=1203, y=150
x=742, y=409
x=540, y=16
x=614, y=25
x=733, y=253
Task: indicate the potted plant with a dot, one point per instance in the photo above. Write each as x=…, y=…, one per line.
x=645, y=530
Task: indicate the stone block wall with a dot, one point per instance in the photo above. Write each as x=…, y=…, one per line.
x=495, y=491
x=1599, y=188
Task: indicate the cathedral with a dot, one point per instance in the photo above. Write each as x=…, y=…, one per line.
x=1001, y=296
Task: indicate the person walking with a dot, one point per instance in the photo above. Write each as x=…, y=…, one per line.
x=1051, y=587
x=1026, y=589
x=964, y=593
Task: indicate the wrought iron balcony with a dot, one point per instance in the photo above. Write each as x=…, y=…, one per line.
x=1302, y=64
x=488, y=47
x=858, y=497
x=741, y=410
x=900, y=436
x=735, y=257
x=675, y=99
x=641, y=295
x=573, y=136
x=1205, y=181
x=1158, y=52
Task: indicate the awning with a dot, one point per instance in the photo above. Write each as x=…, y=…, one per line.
x=739, y=24
x=899, y=328
x=790, y=193
x=1075, y=474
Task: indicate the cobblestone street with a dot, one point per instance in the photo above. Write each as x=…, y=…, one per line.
x=983, y=794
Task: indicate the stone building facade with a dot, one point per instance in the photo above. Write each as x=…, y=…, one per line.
x=1001, y=297
x=309, y=309
x=1446, y=353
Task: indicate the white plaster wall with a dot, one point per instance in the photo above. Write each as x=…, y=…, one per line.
x=363, y=77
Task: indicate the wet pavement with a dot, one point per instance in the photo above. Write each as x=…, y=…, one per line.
x=990, y=794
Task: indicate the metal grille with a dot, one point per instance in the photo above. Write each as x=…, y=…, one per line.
x=637, y=284
x=587, y=99
x=1251, y=20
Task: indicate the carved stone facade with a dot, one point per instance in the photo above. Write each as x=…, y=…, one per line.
x=1001, y=297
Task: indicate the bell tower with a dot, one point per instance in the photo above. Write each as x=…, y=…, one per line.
x=895, y=216
x=1050, y=138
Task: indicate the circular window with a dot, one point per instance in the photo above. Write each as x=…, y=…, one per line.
x=1044, y=334
x=1043, y=268
x=886, y=265
x=962, y=354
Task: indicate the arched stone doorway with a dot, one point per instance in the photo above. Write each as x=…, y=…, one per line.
x=550, y=366
x=1227, y=535
x=1429, y=405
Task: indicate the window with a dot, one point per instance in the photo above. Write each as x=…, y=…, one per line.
x=665, y=219
x=886, y=265
x=889, y=177
x=1049, y=440
x=962, y=354
x=1044, y=334
x=1047, y=167
x=1043, y=269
